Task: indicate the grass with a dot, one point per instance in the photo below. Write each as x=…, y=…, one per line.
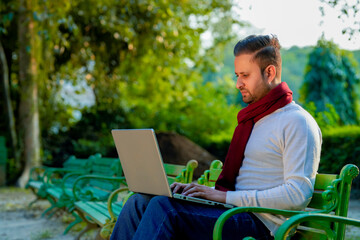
x=46, y=234
x=4, y=190
x=14, y=194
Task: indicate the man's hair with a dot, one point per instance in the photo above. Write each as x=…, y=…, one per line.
x=266, y=50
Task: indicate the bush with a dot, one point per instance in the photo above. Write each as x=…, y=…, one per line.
x=340, y=147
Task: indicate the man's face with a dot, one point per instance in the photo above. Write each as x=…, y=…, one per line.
x=251, y=83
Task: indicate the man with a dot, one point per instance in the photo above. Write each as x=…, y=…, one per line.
x=272, y=162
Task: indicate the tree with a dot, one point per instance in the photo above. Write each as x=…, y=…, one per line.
x=25, y=27
x=330, y=78
x=29, y=129
x=142, y=60
x=348, y=10
x=8, y=109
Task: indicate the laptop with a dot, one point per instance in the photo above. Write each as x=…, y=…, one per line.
x=143, y=166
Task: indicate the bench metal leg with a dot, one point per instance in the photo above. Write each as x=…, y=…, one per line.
x=72, y=224
x=39, y=193
x=53, y=205
x=87, y=228
x=32, y=202
x=89, y=225
x=99, y=237
x=107, y=229
x=49, y=210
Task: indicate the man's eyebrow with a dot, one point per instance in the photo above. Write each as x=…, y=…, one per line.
x=240, y=73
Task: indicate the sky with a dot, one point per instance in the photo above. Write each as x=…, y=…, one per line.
x=295, y=22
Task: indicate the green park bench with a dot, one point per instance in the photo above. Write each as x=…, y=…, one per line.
x=325, y=216
x=103, y=214
x=59, y=192
x=40, y=175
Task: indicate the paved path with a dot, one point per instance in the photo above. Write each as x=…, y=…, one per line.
x=17, y=222
x=353, y=233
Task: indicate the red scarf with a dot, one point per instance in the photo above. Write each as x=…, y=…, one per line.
x=277, y=98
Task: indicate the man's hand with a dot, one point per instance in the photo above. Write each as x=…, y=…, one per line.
x=196, y=190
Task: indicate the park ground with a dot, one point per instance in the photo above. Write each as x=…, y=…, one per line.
x=18, y=222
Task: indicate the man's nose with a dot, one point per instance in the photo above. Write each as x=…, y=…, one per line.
x=239, y=83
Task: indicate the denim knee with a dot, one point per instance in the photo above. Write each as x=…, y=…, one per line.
x=138, y=201
x=160, y=203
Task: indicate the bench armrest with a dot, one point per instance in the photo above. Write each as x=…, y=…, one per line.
x=217, y=233
x=112, y=198
x=292, y=222
x=37, y=173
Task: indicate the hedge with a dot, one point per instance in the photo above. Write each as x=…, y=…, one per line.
x=340, y=146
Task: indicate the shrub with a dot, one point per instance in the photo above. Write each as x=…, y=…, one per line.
x=340, y=147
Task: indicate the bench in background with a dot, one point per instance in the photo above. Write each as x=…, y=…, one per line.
x=40, y=175
x=100, y=214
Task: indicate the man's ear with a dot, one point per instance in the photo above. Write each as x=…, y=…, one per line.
x=270, y=73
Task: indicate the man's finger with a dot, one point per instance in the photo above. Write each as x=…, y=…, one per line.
x=194, y=188
x=189, y=186
x=197, y=194
x=176, y=189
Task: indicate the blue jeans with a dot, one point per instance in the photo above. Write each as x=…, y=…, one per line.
x=159, y=217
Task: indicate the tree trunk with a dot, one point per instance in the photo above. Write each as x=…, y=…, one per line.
x=28, y=108
x=9, y=113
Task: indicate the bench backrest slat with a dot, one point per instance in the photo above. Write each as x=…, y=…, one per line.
x=180, y=173
x=173, y=170
x=77, y=164
x=322, y=182
x=105, y=166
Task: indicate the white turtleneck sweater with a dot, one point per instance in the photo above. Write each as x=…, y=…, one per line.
x=280, y=162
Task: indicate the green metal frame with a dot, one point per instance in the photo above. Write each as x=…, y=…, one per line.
x=43, y=177
x=285, y=229
x=60, y=190
x=210, y=176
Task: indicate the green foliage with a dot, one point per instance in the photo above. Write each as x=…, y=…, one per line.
x=207, y=115
x=325, y=119
x=340, y=146
x=347, y=11
x=142, y=54
x=293, y=66
x=12, y=170
x=142, y=60
x=357, y=57
x=331, y=79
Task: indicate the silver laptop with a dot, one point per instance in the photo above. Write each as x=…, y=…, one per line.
x=143, y=166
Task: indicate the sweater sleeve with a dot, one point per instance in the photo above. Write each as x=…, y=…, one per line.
x=300, y=143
